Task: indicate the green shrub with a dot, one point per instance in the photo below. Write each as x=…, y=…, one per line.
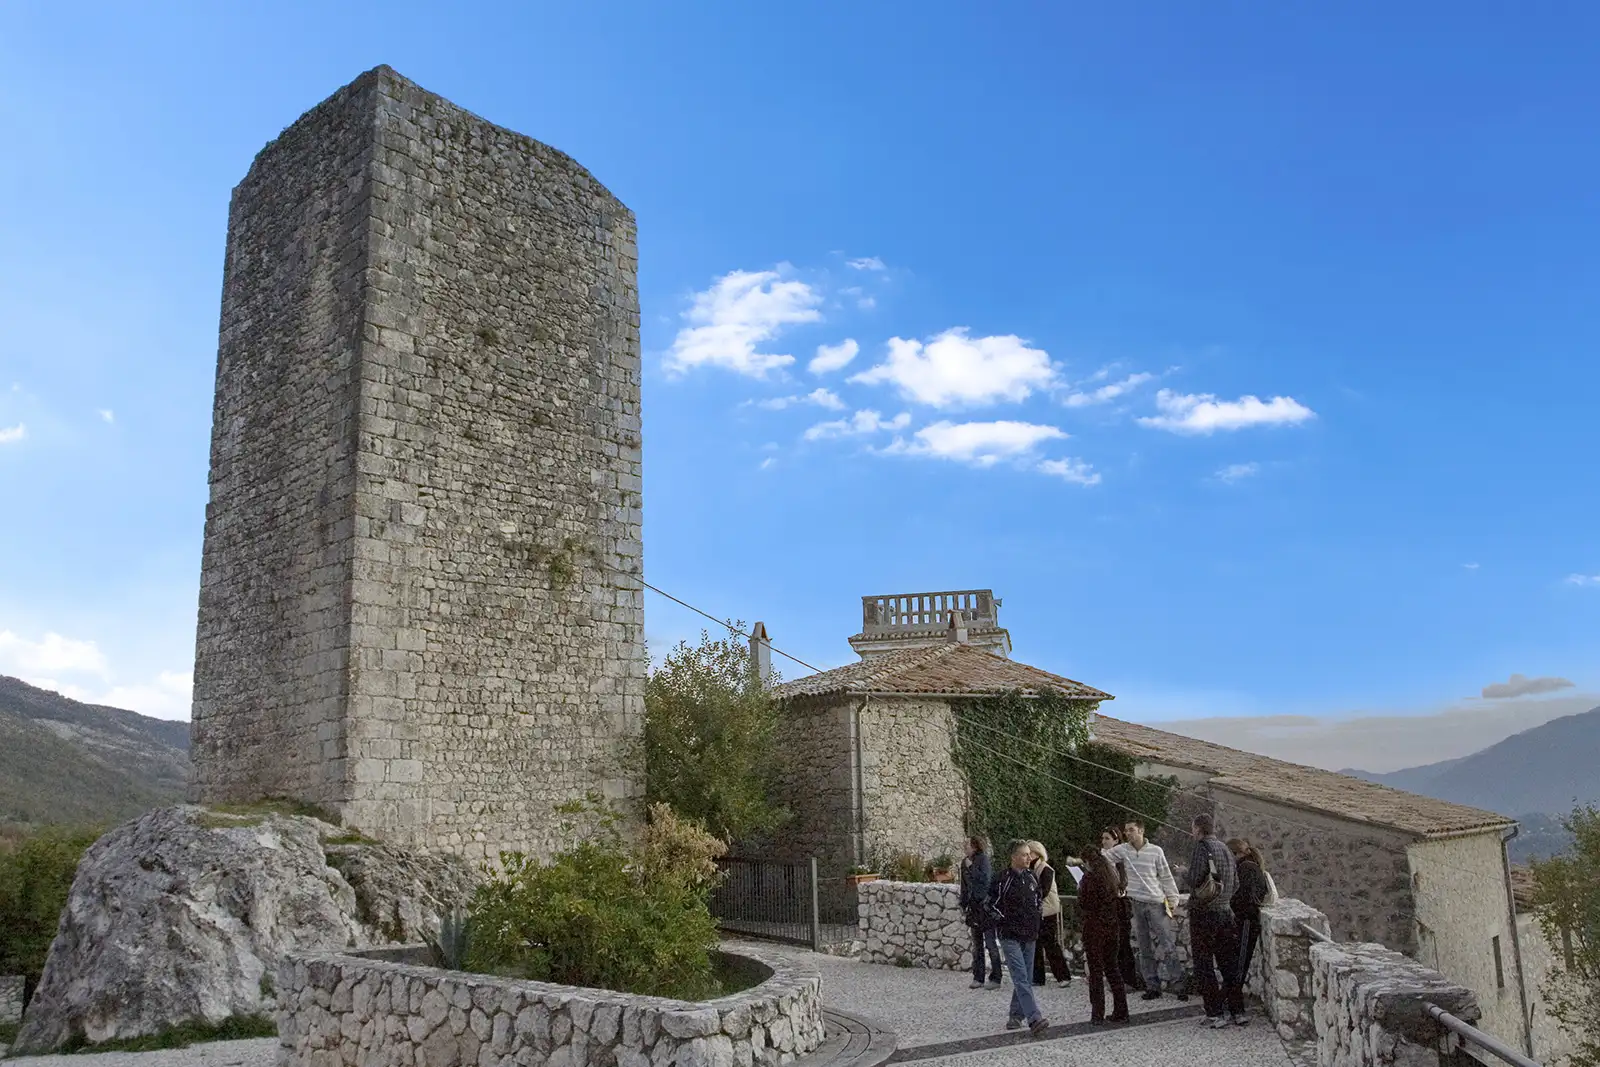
x=35, y=876
x=604, y=913
x=906, y=867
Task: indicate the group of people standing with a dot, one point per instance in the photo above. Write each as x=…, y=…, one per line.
x=1126, y=895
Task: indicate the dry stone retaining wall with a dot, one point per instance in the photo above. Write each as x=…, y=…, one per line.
x=380, y=1011
x=1281, y=974
x=1371, y=1008
x=919, y=924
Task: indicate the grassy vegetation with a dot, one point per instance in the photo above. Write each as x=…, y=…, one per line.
x=8, y=1033
x=35, y=875
x=237, y=1028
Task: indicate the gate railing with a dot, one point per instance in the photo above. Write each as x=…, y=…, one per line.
x=781, y=901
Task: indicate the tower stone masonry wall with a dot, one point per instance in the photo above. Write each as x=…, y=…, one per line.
x=420, y=599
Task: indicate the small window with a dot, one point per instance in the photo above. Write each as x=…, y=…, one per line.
x=1499, y=968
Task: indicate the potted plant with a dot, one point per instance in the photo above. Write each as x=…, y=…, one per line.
x=861, y=873
x=943, y=867
x=907, y=867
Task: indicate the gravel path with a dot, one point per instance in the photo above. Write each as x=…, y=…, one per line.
x=256, y=1052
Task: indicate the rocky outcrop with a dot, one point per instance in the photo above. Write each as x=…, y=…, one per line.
x=182, y=915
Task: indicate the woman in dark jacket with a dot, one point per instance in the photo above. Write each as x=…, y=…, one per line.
x=1126, y=962
x=976, y=874
x=1247, y=900
x=1098, y=895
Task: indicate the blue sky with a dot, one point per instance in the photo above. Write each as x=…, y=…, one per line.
x=1248, y=353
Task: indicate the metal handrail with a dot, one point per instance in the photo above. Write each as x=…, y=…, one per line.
x=1467, y=1032
x=1316, y=935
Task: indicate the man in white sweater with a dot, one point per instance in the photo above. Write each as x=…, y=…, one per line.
x=1154, y=893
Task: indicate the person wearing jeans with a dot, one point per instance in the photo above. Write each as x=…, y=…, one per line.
x=1152, y=893
x=1213, y=931
x=1016, y=898
x=976, y=875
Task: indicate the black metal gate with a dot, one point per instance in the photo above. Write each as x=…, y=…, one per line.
x=774, y=901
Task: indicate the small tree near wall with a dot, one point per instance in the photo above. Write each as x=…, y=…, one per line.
x=710, y=739
x=1567, y=892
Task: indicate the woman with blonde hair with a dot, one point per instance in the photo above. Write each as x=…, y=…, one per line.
x=1048, y=946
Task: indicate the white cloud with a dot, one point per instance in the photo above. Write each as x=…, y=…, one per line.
x=823, y=398
x=52, y=655
x=1520, y=685
x=767, y=463
x=982, y=444
x=862, y=422
x=833, y=357
x=1106, y=392
x=108, y=415
x=867, y=263
x=1071, y=470
x=953, y=368
x=1203, y=413
x=12, y=434
x=1583, y=579
x=1237, y=472
x=1470, y=566
x=740, y=311
x=866, y=303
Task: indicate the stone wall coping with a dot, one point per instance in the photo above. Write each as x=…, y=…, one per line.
x=784, y=977
x=1285, y=917
x=1395, y=990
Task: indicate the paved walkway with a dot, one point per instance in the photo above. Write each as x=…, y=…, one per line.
x=934, y=1015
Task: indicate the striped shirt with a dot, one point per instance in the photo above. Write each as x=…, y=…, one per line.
x=1149, y=875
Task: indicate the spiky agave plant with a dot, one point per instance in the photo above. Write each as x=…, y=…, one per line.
x=449, y=948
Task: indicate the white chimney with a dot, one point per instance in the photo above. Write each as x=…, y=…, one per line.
x=957, y=634
x=761, y=653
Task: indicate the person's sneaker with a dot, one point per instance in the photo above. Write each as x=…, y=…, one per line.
x=994, y=983
x=1097, y=1020
x=1241, y=1020
x=1038, y=1026
x=1119, y=1017
x=976, y=985
x=1013, y=1024
x=1150, y=994
x=1065, y=981
x=1219, y=1022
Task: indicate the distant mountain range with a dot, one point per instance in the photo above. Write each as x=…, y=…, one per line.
x=63, y=761
x=1535, y=776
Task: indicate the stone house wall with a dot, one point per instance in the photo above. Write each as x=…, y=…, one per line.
x=818, y=784
x=420, y=599
x=379, y=1011
x=1540, y=960
x=1465, y=921
x=1358, y=875
x=914, y=798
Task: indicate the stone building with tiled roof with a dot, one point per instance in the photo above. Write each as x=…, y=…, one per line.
x=872, y=773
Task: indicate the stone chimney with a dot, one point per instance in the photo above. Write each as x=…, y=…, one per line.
x=761, y=653
x=956, y=633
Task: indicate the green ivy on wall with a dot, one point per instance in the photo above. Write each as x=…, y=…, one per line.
x=1018, y=752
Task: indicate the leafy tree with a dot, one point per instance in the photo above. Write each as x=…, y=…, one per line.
x=35, y=875
x=710, y=739
x=1567, y=892
x=604, y=913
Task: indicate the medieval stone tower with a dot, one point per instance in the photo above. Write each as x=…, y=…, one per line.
x=420, y=602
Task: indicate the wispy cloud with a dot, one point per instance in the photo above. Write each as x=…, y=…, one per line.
x=12, y=434
x=1081, y=398
x=981, y=444
x=822, y=398
x=1583, y=579
x=1520, y=685
x=1469, y=566
x=1238, y=472
x=767, y=463
x=51, y=654
x=1203, y=413
x=953, y=369
x=740, y=313
x=862, y=422
x=1070, y=470
x=833, y=357
x=108, y=415
x=866, y=263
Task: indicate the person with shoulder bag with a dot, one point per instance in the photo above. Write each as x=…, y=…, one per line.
x=1016, y=902
x=1213, y=934
x=1048, y=947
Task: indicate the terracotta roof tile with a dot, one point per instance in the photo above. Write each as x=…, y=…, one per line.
x=1291, y=783
x=952, y=669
